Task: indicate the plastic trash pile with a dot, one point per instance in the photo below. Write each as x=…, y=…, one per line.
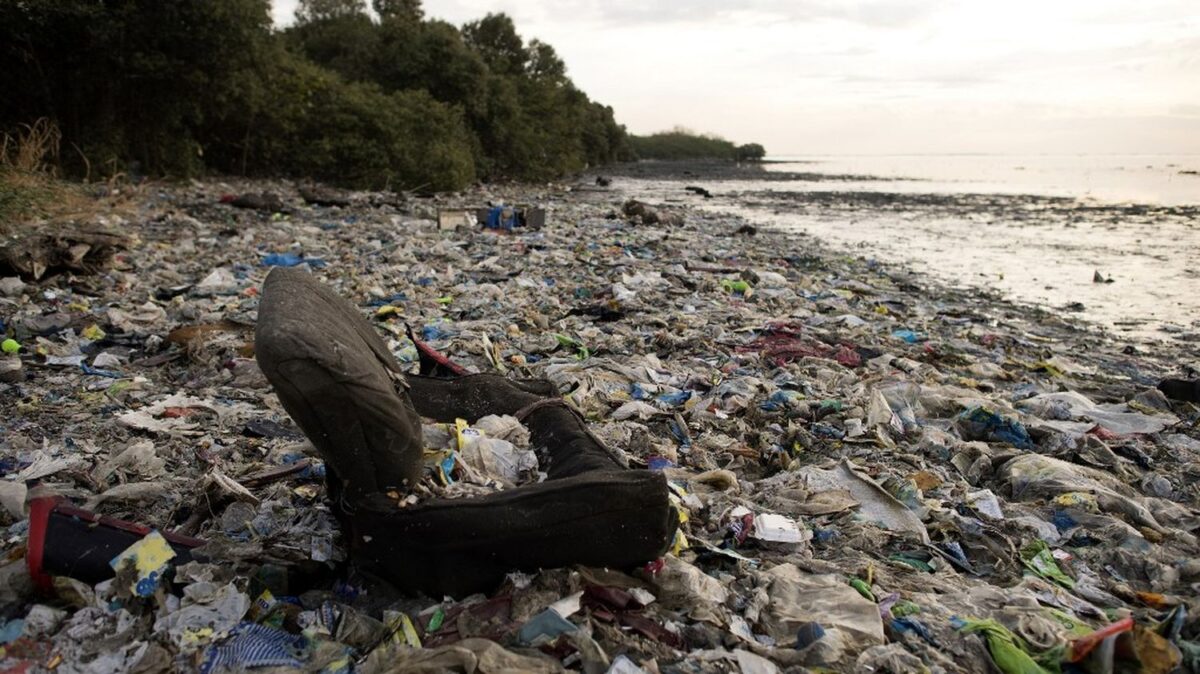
x=874, y=473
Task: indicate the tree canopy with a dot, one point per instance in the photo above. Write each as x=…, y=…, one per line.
x=366, y=97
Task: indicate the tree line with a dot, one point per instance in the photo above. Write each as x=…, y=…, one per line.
x=681, y=144
x=370, y=99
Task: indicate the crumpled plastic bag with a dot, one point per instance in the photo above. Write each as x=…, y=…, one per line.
x=96, y=641
x=981, y=423
x=1035, y=476
x=504, y=427
x=499, y=458
x=1065, y=410
x=138, y=458
x=682, y=584
x=469, y=656
x=876, y=504
x=205, y=612
x=798, y=598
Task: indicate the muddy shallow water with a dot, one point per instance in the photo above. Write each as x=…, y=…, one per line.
x=1042, y=249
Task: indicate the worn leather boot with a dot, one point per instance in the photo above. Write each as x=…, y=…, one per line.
x=336, y=378
x=341, y=385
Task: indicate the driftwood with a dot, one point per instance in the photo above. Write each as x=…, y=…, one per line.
x=80, y=249
x=648, y=215
x=268, y=202
x=323, y=196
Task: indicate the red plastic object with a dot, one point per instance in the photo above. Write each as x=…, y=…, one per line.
x=1086, y=644
x=54, y=550
x=431, y=358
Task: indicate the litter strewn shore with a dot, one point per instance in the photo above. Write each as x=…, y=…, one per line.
x=873, y=472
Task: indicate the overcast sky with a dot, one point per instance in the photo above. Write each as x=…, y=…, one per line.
x=881, y=76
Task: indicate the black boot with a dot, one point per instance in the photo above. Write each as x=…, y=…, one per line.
x=1187, y=390
x=336, y=378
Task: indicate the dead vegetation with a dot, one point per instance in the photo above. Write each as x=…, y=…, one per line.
x=31, y=190
x=46, y=223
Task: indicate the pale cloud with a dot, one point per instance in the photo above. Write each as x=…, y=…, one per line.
x=882, y=75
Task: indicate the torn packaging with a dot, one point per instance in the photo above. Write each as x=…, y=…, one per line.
x=337, y=380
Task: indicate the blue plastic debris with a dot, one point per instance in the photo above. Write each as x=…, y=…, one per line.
x=781, y=400
x=910, y=624
x=980, y=423
x=808, y=634
x=447, y=468
x=315, y=470
x=956, y=552
x=659, y=463
x=1062, y=521
x=390, y=299
x=88, y=369
x=252, y=645
x=675, y=399
x=825, y=535
x=543, y=627
x=502, y=217
x=282, y=260
x=907, y=335
x=12, y=631
x=430, y=333
x=827, y=431
x=291, y=260
x=680, y=434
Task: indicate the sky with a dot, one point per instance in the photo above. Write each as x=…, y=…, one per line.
x=880, y=76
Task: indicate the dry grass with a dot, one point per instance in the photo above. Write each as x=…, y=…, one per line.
x=34, y=149
x=30, y=188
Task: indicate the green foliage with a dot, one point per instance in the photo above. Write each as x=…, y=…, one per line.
x=317, y=125
x=176, y=87
x=320, y=10
x=681, y=143
x=409, y=10
x=526, y=120
x=344, y=42
x=126, y=81
x=495, y=38
x=751, y=152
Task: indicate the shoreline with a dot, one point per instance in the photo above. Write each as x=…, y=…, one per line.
x=990, y=241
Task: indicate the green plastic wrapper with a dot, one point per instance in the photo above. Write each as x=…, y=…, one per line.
x=1037, y=558
x=1006, y=649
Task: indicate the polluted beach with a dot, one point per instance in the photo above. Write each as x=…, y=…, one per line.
x=661, y=403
